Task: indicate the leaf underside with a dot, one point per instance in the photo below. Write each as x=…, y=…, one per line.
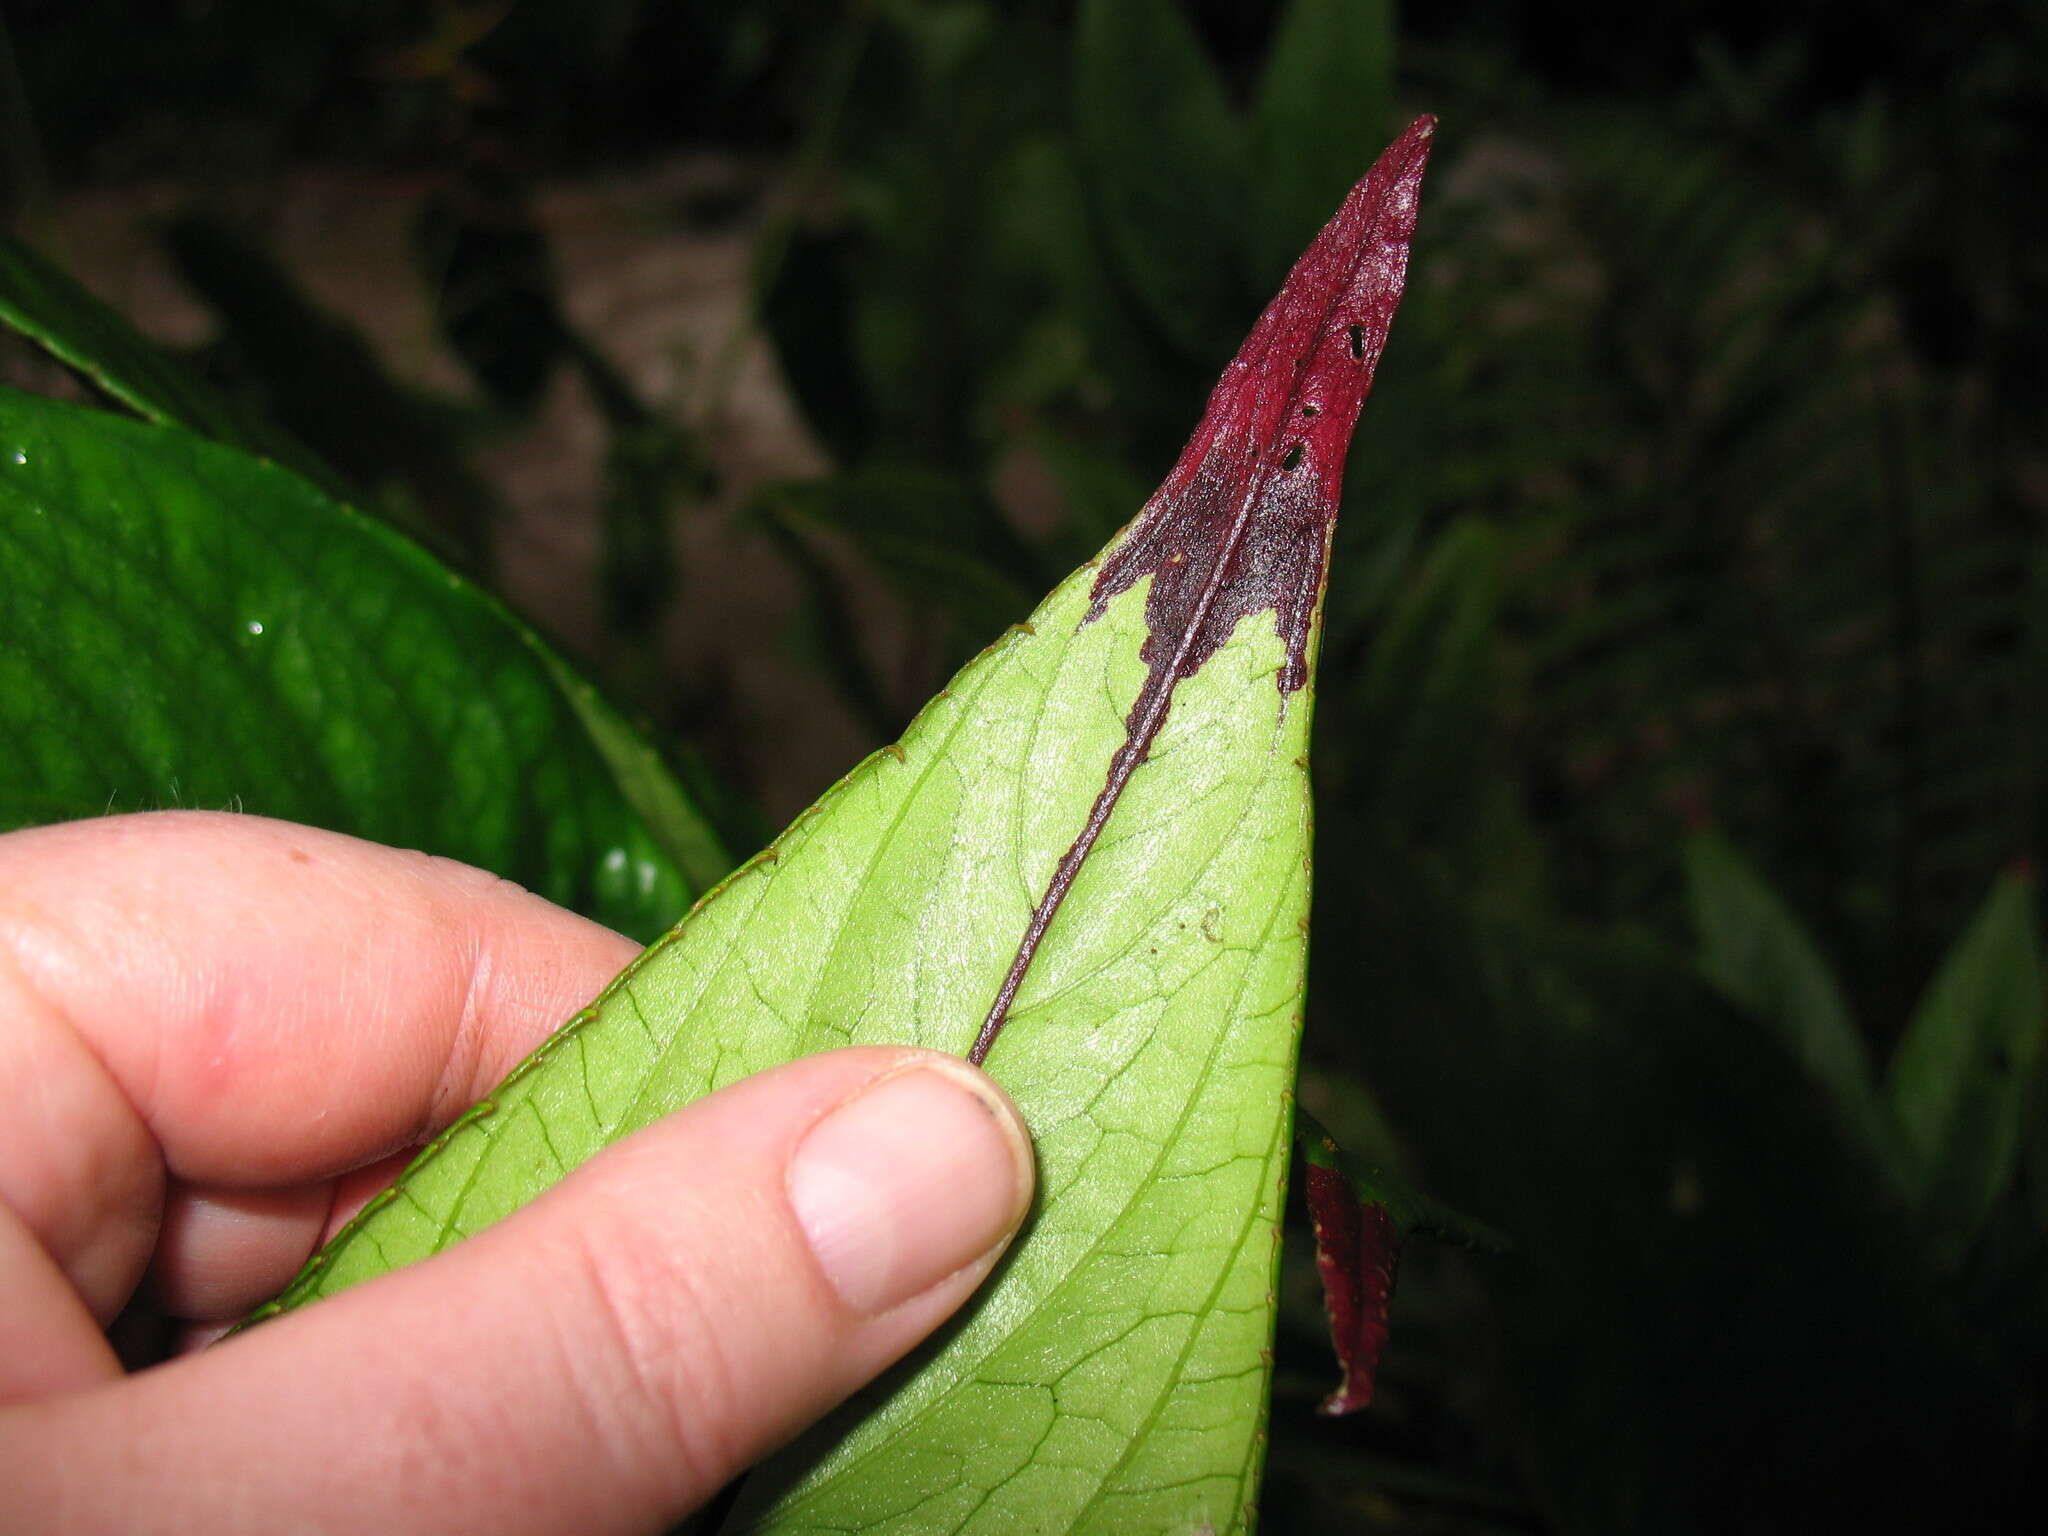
x=1103, y=827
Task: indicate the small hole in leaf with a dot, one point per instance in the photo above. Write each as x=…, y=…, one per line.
x=1291, y=458
x=1358, y=342
x=1311, y=410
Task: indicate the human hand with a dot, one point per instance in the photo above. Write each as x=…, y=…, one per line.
x=219, y=1035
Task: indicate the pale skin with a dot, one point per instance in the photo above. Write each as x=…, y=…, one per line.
x=220, y=1034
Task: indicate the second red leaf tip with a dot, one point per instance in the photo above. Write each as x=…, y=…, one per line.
x=1242, y=523
x=1358, y=1251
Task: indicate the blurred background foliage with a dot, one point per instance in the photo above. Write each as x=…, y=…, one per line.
x=1680, y=754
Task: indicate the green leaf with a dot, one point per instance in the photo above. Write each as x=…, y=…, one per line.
x=1424, y=703
x=46, y=305
x=1166, y=165
x=1961, y=1080
x=937, y=541
x=1123, y=354
x=1762, y=958
x=648, y=784
x=187, y=626
x=1089, y=858
x=1323, y=102
x=1098, y=490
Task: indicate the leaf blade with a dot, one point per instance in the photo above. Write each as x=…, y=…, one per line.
x=1113, y=1377
x=1243, y=522
x=1961, y=1079
x=1758, y=953
x=188, y=626
x=1358, y=1256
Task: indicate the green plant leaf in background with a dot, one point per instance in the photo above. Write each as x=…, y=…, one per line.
x=316, y=380
x=46, y=305
x=1165, y=161
x=1409, y=1208
x=932, y=537
x=1324, y=98
x=686, y=815
x=1089, y=857
x=1423, y=704
x=1961, y=1083
x=1763, y=959
x=187, y=626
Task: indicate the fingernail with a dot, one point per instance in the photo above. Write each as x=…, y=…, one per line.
x=918, y=1176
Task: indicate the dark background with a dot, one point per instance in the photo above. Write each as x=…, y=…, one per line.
x=1701, y=497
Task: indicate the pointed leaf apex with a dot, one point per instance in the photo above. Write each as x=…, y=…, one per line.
x=1303, y=373
x=1242, y=523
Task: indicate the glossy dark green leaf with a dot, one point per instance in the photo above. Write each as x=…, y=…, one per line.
x=186, y=626
x=1961, y=1083
x=1763, y=959
x=677, y=815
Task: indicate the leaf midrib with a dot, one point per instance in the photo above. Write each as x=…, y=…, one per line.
x=734, y=950
x=969, y=1372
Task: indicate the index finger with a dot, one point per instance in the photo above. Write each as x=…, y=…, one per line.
x=240, y=1002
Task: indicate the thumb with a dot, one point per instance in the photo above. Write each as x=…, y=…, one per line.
x=603, y=1359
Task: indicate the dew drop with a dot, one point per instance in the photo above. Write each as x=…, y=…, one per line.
x=255, y=626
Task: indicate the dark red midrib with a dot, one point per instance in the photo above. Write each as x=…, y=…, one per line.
x=1160, y=683
x=1163, y=675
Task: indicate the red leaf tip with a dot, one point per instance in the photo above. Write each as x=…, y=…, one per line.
x=1242, y=523
x=1358, y=1251
x=1303, y=373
